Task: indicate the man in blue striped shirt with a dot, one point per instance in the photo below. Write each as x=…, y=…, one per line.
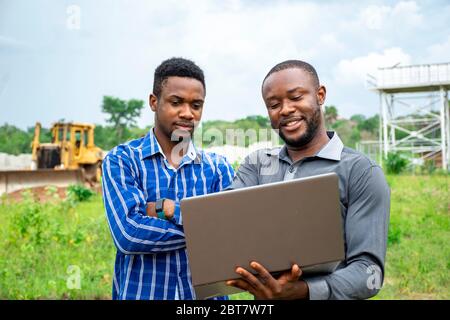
x=144, y=181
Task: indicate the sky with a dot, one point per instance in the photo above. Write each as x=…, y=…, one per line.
x=59, y=58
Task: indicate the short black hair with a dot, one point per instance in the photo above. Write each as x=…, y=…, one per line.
x=291, y=64
x=176, y=67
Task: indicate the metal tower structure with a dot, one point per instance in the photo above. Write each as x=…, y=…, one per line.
x=414, y=111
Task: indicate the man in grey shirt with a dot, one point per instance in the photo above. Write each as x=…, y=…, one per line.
x=293, y=97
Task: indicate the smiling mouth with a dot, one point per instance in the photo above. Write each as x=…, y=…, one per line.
x=291, y=123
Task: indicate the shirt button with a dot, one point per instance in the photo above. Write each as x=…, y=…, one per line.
x=291, y=169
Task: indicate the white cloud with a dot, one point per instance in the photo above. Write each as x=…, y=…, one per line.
x=374, y=16
x=236, y=47
x=439, y=52
x=236, y=42
x=407, y=12
x=403, y=14
x=354, y=71
x=329, y=41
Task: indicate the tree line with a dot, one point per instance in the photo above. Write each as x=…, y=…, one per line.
x=121, y=125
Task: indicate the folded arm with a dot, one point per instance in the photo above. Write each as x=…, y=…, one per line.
x=133, y=231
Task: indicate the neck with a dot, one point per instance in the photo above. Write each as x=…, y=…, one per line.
x=173, y=150
x=310, y=149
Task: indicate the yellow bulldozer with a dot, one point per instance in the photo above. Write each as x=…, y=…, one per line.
x=71, y=158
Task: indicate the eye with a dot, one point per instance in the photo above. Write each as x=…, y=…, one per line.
x=296, y=98
x=197, y=105
x=274, y=106
x=175, y=103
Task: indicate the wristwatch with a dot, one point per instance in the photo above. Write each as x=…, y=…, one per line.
x=160, y=208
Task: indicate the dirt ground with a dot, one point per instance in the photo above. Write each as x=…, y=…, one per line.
x=45, y=194
x=41, y=194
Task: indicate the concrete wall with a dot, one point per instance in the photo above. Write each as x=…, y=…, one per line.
x=11, y=162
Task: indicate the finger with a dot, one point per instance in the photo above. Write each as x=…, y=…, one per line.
x=251, y=279
x=240, y=284
x=266, y=277
x=296, y=272
x=291, y=275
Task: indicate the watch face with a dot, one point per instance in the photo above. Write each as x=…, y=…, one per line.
x=159, y=205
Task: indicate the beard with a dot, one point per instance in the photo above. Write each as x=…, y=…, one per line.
x=312, y=126
x=181, y=136
x=176, y=135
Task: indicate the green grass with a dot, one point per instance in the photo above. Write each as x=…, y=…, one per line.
x=38, y=243
x=418, y=255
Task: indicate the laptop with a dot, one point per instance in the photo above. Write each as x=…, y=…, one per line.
x=277, y=224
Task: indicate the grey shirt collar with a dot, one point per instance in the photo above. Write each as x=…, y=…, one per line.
x=332, y=150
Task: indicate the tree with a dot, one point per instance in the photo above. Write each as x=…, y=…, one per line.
x=330, y=115
x=45, y=135
x=250, y=123
x=370, y=124
x=358, y=118
x=105, y=137
x=14, y=140
x=122, y=114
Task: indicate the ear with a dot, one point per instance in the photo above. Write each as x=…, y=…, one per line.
x=321, y=95
x=153, y=102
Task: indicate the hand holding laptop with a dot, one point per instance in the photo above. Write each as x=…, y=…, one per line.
x=280, y=224
x=265, y=286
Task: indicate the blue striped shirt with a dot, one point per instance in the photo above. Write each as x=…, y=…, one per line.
x=151, y=260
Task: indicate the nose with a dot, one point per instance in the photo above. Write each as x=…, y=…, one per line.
x=186, y=112
x=287, y=108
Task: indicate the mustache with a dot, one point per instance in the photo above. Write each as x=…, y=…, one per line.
x=285, y=121
x=185, y=124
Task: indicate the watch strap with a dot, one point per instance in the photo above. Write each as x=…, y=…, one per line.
x=161, y=215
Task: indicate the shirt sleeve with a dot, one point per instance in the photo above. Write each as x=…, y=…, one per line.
x=132, y=230
x=247, y=174
x=366, y=226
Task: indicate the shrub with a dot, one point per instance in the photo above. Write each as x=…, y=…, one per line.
x=32, y=222
x=395, y=163
x=79, y=193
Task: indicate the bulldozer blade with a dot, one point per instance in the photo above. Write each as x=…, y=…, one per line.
x=14, y=180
